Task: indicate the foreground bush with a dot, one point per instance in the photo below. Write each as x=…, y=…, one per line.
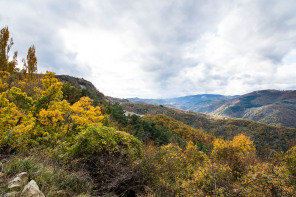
x=111, y=158
x=168, y=167
x=95, y=141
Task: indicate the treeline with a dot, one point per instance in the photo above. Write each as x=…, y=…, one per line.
x=56, y=124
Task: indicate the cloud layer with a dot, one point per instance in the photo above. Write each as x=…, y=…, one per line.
x=153, y=48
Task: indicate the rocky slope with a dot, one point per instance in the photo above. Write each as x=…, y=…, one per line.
x=87, y=87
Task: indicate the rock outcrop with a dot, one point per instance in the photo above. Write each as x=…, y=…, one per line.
x=19, y=186
x=18, y=182
x=31, y=190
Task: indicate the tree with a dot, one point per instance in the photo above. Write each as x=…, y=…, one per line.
x=238, y=154
x=30, y=67
x=5, y=46
x=71, y=93
x=117, y=114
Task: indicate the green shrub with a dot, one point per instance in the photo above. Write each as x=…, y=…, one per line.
x=105, y=141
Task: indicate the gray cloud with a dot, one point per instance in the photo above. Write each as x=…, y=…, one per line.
x=38, y=23
x=155, y=48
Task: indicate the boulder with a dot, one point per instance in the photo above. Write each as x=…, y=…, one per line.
x=31, y=190
x=19, y=181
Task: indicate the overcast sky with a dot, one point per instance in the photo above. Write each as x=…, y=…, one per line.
x=160, y=48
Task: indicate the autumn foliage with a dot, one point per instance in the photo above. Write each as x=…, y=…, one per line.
x=150, y=156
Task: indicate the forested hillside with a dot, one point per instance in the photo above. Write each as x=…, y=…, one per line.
x=265, y=137
x=190, y=103
x=73, y=142
x=267, y=106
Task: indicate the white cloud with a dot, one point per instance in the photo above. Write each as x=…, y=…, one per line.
x=154, y=48
x=114, y=58
x=246, y=52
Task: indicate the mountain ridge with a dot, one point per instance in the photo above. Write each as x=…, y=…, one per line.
x=189, y=102
x=267, y=106
x=275, y=107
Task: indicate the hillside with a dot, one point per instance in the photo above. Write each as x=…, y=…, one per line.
x=264, y=136
x=192, y=102
x=267, y=106
x=86, y=87
x=228, y=128
x=186, y=132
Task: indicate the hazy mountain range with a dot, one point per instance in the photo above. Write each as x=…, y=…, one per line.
x=191, y=103
x=267, y=106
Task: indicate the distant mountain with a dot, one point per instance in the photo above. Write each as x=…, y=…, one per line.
x=264, y=136
x=191, y=103
x=266, y=106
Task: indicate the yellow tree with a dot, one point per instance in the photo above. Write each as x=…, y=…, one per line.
x=42, y=119
x=3, y=79
x=30, y=66
x=9, y=113
x=238, y=153
x=85, y=114
x=5, y=46
x=52, y=92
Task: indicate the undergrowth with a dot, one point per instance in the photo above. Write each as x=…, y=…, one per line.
x=50, y=178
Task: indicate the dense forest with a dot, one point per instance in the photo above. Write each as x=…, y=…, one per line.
x=72, y=140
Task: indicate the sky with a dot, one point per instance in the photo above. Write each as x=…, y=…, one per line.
x=160, y=48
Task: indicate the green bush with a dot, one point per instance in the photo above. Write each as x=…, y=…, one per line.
x=105, y=141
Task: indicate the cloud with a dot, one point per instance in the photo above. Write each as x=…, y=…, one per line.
x=146, y=39
x=154, y=48
x=248, y=49
x=38, y=23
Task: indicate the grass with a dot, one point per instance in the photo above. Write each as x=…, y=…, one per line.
x=52, y=180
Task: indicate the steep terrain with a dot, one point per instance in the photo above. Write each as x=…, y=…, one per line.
x=266, y=106
x=265, y=137
x=87, y=88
